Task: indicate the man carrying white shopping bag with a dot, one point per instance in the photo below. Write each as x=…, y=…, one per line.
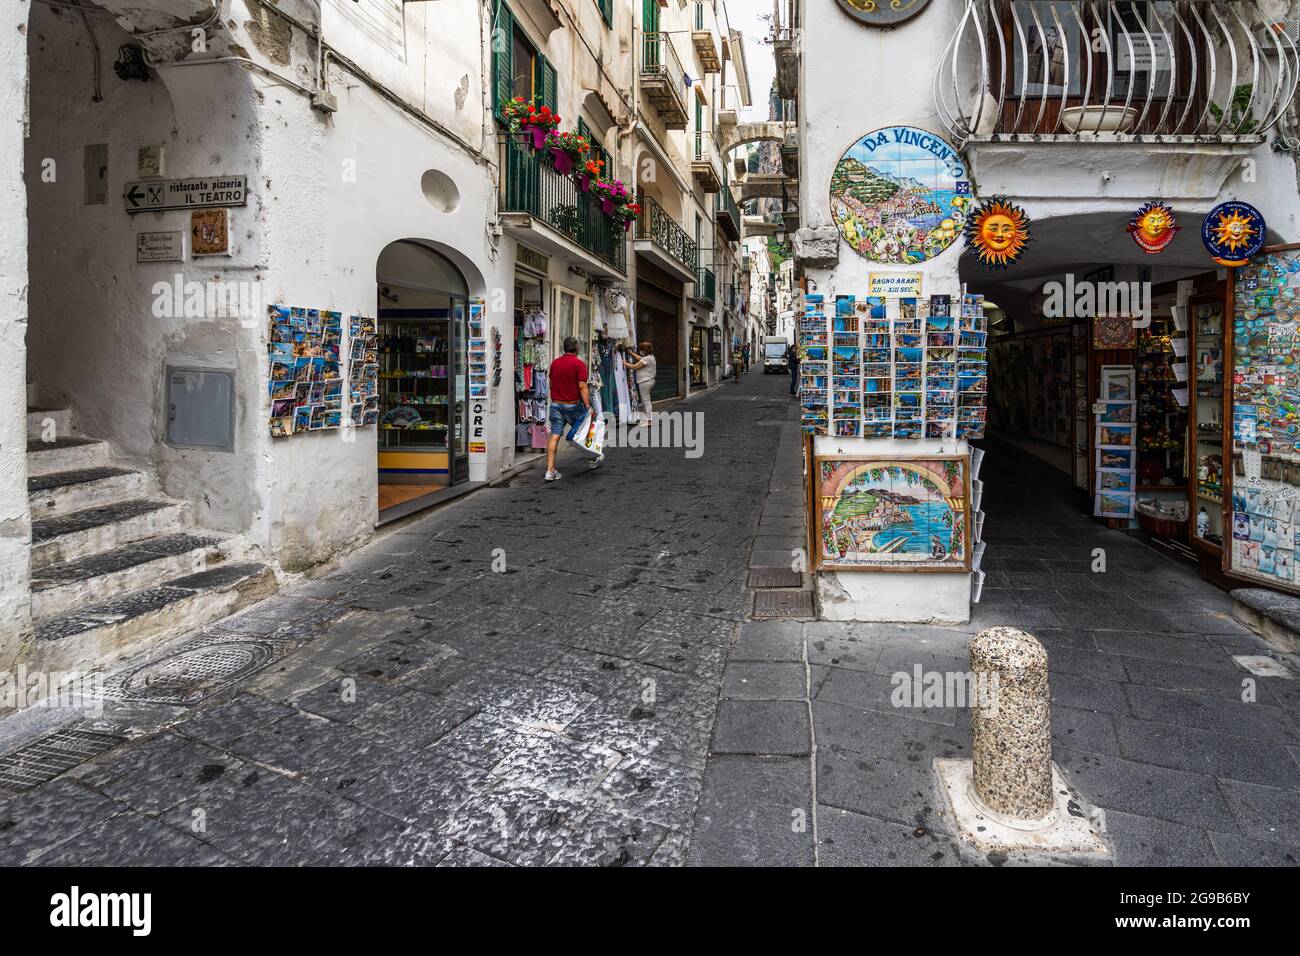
x=570, y=403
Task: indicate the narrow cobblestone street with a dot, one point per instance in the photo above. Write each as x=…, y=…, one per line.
x=607, y=698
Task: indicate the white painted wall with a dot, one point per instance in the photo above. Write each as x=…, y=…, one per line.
x=15, y=520
x=100, y=338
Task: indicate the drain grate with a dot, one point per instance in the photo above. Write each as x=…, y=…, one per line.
x=192, y=675
x=769, y=604
x=43, y=760
x=774, y=578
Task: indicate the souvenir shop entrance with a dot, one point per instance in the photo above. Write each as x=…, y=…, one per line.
x=1114, y=374
x=422, y=303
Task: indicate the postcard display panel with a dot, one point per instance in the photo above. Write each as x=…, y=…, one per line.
x=1115, y=427
x=879, y=367
x=309, y=391
x=1266, y=420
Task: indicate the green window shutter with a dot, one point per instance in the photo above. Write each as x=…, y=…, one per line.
x=547, y=88
x=650, y=16
x=503, y=44
x=606, y=12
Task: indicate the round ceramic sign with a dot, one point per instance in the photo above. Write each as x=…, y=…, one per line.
x=900, y=195
x=1233, y=232
x=882, y=13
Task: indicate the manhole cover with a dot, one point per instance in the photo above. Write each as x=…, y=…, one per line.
x=774, y=578
x=45, y=759
x=783, y=604
x=190, y=676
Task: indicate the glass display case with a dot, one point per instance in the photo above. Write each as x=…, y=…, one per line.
x=1205, y=324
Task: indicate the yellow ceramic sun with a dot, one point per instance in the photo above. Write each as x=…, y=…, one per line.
x=998, y=232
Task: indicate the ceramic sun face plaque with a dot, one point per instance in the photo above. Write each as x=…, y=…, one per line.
x=882, y=13
x=997, y=231
x=1233, y=232
x=1153, y=227
x=900, y=195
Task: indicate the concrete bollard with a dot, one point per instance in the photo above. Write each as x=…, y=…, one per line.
x=1012, y=740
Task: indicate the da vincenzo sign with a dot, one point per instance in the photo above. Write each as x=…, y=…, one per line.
x=900, y=195
x=882, y=13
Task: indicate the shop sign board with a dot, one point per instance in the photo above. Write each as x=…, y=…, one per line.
x=894, y=283
x=159, y=247
x=882, y=13
x=210, y=232
x=159, y=195
x=900, y=195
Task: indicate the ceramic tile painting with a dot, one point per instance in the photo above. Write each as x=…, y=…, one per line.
x=900, y=194
x=893, y=514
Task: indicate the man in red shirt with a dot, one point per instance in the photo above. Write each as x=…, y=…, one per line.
x=570, y=400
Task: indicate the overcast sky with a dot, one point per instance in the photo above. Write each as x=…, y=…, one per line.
x=744, y=15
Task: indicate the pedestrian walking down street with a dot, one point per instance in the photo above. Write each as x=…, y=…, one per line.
x=570, y=401
x=737, y=360
x=645, y=367
x=792, y=363
x=745, y=352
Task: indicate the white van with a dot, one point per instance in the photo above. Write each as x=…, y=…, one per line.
x=774, y=354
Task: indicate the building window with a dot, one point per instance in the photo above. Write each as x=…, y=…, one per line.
x=523, y=67
x=518, y=68
x=606, y=12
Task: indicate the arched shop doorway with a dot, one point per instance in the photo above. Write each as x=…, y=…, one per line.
x=1130, y=412
x=422, y=302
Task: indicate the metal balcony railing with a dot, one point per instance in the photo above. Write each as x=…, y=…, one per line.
x=657, y=226
x=706, y=288
x=533, y=186
x=728, y=212
x=662, y=74
x=1167, y=70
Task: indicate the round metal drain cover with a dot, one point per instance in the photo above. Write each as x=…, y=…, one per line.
x=190, y=676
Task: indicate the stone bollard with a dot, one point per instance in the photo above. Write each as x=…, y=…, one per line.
x=1012, y=740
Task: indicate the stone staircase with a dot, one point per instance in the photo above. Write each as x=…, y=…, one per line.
x=115, y=565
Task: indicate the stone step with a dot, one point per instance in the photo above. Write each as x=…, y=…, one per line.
x=93, y=636
x=94, y=530
x=1272, y=615
x=60, y=587
x=64, y=492
x=65, y=454
x=58, y=420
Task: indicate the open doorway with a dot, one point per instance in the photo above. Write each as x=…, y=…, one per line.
x=1107, y=364
x=422, y=306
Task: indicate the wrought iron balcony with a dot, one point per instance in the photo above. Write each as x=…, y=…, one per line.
x=531, y=185
x=728, y=213
x=1117, y=70
x=663, y=81
x=706, y=286
x=671, y=239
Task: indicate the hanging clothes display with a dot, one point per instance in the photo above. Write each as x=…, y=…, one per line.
x=532, y=328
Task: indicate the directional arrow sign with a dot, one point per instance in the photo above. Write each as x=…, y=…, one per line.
x=156, y=195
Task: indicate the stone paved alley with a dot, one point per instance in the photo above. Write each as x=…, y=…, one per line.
x=607, y=700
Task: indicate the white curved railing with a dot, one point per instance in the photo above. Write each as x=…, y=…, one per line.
x=1195, y=70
